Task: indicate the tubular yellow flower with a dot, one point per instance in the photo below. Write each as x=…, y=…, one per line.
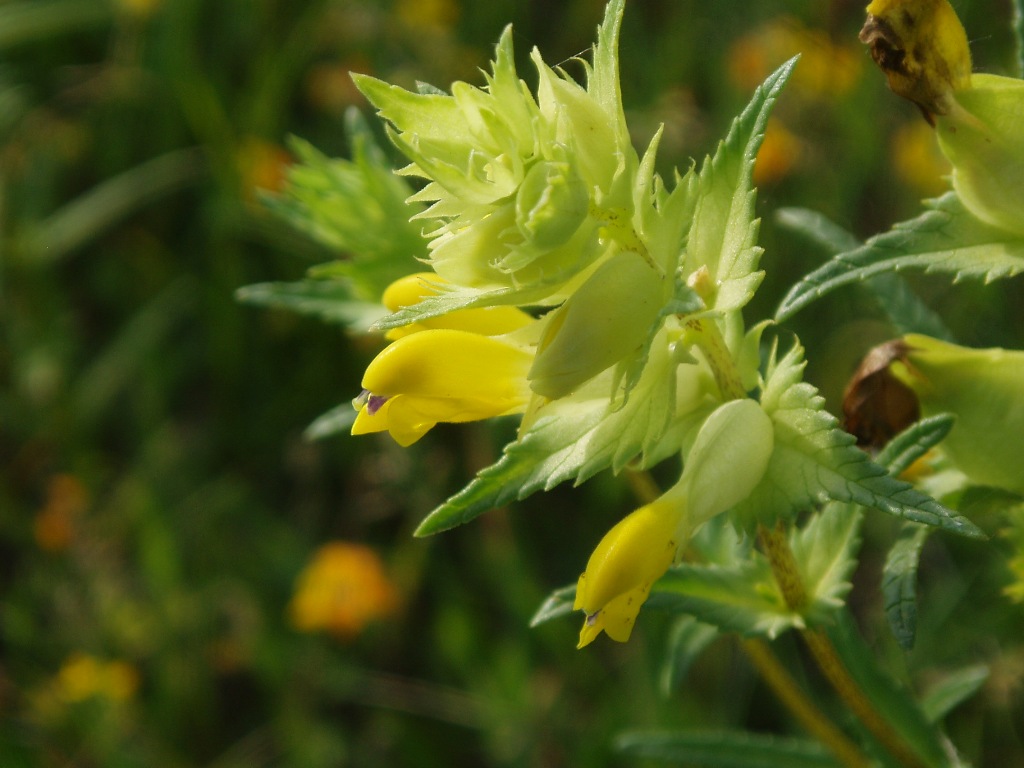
x=626, y=563
x=727, y=460
x=441, y=375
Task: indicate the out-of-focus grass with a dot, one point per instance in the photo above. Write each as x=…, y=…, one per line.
x=157, y=500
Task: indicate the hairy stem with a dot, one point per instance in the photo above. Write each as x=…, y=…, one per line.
x=787, y=575
x=800, y=706
x=708, y=338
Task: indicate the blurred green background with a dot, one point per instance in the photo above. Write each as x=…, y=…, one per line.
x=185, y=580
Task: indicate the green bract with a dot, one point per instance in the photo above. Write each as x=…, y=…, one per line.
x=982, y=388
x=982, y=138
x=518, y=184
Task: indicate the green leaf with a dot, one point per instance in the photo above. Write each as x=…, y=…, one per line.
x=330, y=300
x=952, y=690
x=946, y=238
x=111, y=201
x=891, y=701
x=338, y=419
x=741, y=598
x=725, y=749
x=904, y=308
x=558, y=604
x=723, y=235
x=31, y=22
x=358, y=206
x=687, y=640
x=826, y=550
x=814, y=461
x=899, y=583
x=899, y=574
x=1018, y=34
x=914, y=442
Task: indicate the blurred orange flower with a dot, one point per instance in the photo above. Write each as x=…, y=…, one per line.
x=263, y=166
x=342, y=589
x=54, y=525
x=779, y=153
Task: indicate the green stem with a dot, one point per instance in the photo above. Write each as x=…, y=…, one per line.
x=787, y=575
x=707, y=336
x=802, y=708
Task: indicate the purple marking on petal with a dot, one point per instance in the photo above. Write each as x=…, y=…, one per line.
x=374, y=403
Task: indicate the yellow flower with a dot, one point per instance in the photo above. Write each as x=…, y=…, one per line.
x=727, y=460
x=630, y=558
x=441, y=375
x=341, y=591
x=84, y=677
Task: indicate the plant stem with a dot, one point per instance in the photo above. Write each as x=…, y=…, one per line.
x=708, y=338
x=801, y=707
x=787, y=575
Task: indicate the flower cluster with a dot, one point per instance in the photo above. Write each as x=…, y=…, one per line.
x=569, y=284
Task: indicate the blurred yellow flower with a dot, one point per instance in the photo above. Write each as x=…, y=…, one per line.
x=826, y=70
x=342, y=589
x=54, y=525
x=85, y=677
x=427, y=13
x=917, y=159
x=140, y=8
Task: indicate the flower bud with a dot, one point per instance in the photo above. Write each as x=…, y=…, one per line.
x=551, y=203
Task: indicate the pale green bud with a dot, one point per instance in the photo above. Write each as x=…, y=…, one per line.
x=727, y=460
x=604, y=322
x=551, y=203
x=982, y=137
x=983, y=388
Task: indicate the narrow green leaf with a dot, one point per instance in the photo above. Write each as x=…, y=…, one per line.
x=1018, y=33
x=723, y=235
x=687, y=640
x=891, y=701
x=904, y=308
x=338, y=419
x=330, y=300
x=899, y=574
x=725, y=749
x=899, y=583
x=558, y=604
x=953, y=690
x=946, y=239
x=914, y=442
x=110, y=201
x=23, y=23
